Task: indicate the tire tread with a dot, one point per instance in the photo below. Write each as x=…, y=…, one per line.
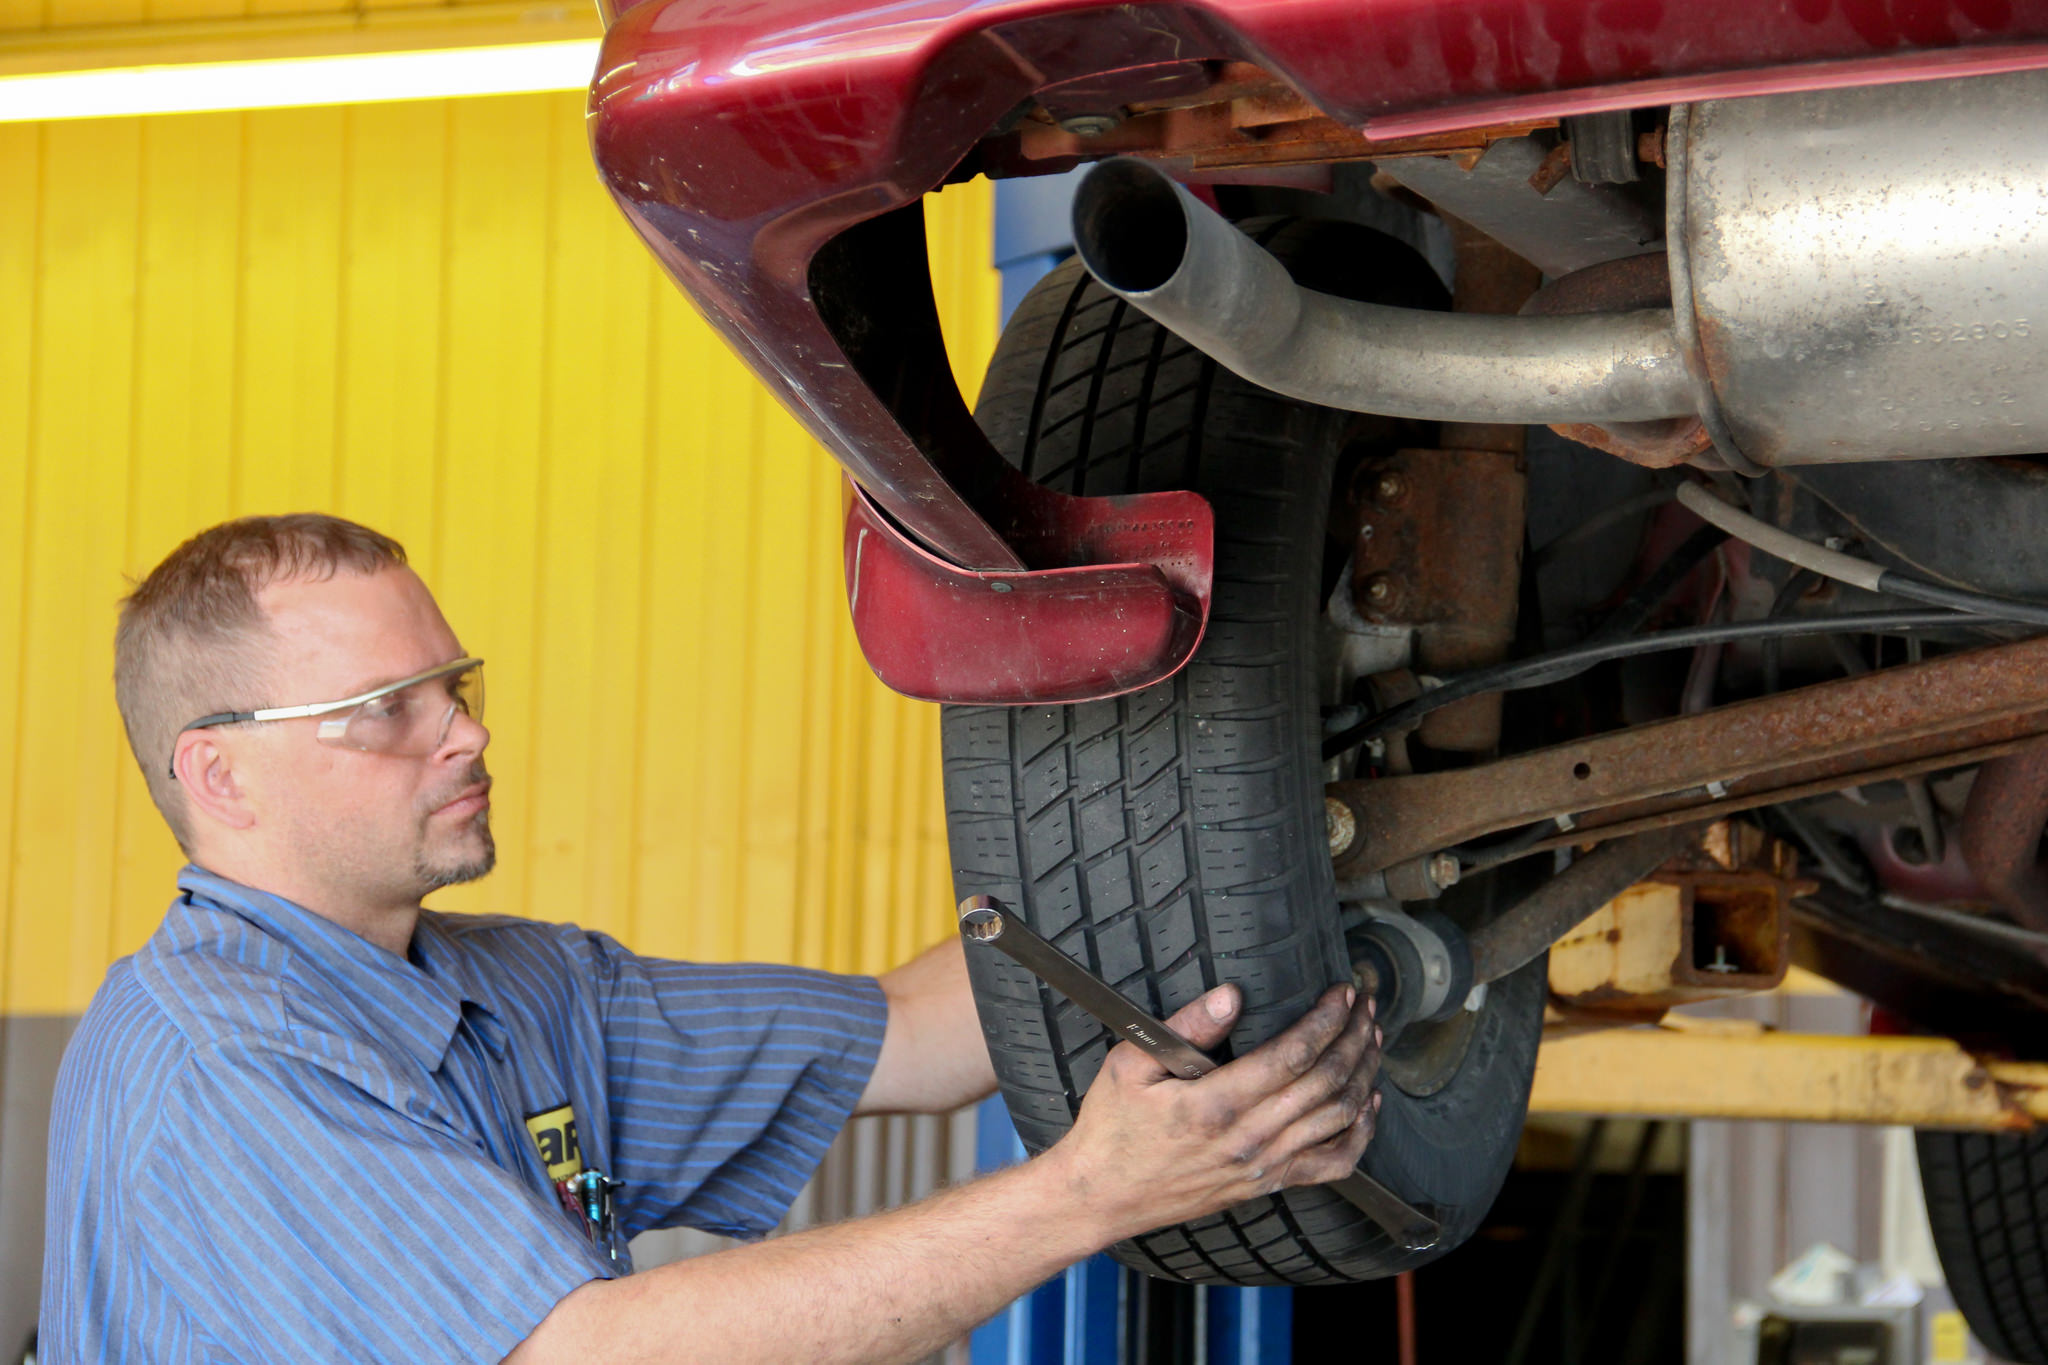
x=1158, y=835
x=1987, y=1205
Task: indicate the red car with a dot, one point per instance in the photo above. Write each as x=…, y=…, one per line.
x=1476, y=445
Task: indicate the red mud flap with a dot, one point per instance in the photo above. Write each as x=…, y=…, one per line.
x=1127, y=616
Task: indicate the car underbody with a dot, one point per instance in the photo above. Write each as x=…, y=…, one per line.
x=1681, y=529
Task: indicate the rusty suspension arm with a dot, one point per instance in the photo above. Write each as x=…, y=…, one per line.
x=1962, y=708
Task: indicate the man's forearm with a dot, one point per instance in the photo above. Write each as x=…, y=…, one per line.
x=896, y=1286
x=933, y=1057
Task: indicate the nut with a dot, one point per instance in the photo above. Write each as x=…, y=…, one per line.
x=1379, y=590
x=1340, y=824
x=1390, y=487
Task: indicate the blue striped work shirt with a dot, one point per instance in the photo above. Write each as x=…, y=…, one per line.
x=274, y=1140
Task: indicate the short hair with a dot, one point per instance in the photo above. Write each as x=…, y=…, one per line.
x=191, y=636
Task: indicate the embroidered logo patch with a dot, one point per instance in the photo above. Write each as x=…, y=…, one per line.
x=554, y=1136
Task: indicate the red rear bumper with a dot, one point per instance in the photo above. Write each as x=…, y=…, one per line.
x=773, y=154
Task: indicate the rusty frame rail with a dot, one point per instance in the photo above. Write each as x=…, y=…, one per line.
x=1961, y=708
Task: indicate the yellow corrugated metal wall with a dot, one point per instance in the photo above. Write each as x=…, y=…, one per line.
x=429, y=317
x=43, y=15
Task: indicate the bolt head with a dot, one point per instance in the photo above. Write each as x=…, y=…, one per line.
x=1444, y=870
x=1379, y=589
x=1390, y=486
x=1089, y=125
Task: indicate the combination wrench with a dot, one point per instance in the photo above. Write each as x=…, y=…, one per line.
x=985, y=923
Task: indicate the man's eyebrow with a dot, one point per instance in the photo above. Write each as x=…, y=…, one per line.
x=389, y=678
x=384, y=680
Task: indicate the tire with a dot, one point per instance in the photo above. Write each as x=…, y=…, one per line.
x=1987, y=1203
x=1173, y=838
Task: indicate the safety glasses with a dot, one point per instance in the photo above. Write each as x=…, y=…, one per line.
x=409, y=717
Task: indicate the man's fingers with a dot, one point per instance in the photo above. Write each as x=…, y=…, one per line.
x=1369, y=1064
x=1204, y=1021
x=1289, y=1055
x=1335, y=1156
x=1349, y=1064
x=1323, y=1123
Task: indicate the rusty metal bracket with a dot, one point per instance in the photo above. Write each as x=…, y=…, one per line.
x=1961, y=708
x=1439, y=549
x=1713, y=922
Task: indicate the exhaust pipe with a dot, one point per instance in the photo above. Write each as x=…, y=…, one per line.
x=1856, y=275
x=1149, y=241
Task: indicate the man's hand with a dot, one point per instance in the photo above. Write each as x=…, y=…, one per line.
x=1150, y=1149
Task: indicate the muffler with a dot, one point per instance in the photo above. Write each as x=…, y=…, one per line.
x=1856, y=275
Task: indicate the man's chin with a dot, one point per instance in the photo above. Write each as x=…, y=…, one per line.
x=454, y=870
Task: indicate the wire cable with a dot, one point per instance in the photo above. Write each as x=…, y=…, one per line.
x=1611, y=515
x=1976, y=603
x=1661, y=582
x=1860, y=573
x=1836, y=866
x=1771, y=651
x=1968, y=923
x=1540, y=670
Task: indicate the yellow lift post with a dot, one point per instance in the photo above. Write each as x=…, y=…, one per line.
x=1695, y=1068
x=1613, y=1046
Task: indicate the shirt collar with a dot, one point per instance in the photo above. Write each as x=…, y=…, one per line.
x=417, y=1000
x=439, y=955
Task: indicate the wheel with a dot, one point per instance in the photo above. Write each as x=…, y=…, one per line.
x=1987, y=1203
x=1173, y=838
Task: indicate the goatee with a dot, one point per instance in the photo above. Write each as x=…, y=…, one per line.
x=433, y=878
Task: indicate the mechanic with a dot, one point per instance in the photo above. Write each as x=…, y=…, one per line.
x=312, y=1121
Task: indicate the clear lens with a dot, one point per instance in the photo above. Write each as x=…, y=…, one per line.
x=413, y=720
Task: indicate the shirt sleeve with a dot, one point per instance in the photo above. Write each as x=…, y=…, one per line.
x=727, y=1083
x=296, y=1217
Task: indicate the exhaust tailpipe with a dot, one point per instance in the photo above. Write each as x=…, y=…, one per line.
x=1151, y=242
x=1856, y=275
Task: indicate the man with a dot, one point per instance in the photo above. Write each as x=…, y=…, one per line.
x=312, y=1121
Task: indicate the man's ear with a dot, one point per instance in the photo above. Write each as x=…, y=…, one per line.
x=206, y=771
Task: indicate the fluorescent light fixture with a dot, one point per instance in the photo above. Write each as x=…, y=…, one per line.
x=356, y=78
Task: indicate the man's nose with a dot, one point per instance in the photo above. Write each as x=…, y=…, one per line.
x=466, y=735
